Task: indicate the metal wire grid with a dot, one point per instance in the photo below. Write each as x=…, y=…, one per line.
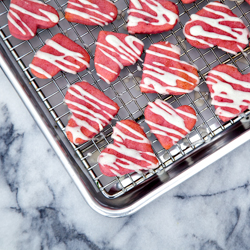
x=125, y=90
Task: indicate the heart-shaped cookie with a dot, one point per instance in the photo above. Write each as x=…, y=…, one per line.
x=91, y=111
x=59, y=53
x=91, y=12
x=26, y=16
x=113, y=52
x=216, y=25
x=131, y=151
x=164, y=73
x=230, y=91
x=169, y=125
x=151, y=16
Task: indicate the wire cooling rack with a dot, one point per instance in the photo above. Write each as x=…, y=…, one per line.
x=125, y=90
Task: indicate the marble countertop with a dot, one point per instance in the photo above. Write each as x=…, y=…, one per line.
x=41, y=208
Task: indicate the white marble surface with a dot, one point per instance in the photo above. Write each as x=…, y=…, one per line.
x=40, y=207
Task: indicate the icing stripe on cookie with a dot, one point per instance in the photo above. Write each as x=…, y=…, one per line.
x=161, y=78
x=223, y=31
x=222, y=89
x=40, y=71
x=172, y=116
x=104, y=67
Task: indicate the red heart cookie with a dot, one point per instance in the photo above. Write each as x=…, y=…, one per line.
x=91, y=12
x=59, y=53
x=230, y=91
x=131, y=151
x=216, y=25
x=164, y=73
x=169, y=125
x=113, y=52
x=151, y=16
x=91, y=111
x=26, y=16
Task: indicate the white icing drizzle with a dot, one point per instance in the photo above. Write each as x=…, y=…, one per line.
x=59, y=60
x=186, y=114
x=130, y=41
x=36, y=1
x=82, y=123
x=107, y=68
x=40, y=71
x=102, y=18
x=238, y=35
x=112, y=58
x=171, y=115
x=108, y=114
x=137, y=4
x=161, y=15
x=45, y=16
x=87, y=113
x=167, y=80
x=174, y=49
x=115, y=173
x=53, y=17
x=126, y=51
x=224, y=90
x=86, y=2
x=100, y=13
x=93, y=19
x=76, y=132
x=77, y=4
x=115, y=162
x=106, y=80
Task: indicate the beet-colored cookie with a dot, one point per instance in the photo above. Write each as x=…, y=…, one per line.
x=151, y=16
x=164, y=73
x=216, y=25
x=230, y=91
x=130, y=152
x=169, y=125
x=59, y=53
x=91, y=12
x=113, y=52
x=91, y=111
x=26, y=16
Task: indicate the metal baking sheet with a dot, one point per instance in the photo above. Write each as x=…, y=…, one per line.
x=48, y=97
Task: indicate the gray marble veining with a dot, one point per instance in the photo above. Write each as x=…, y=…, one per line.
x=40, y=207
